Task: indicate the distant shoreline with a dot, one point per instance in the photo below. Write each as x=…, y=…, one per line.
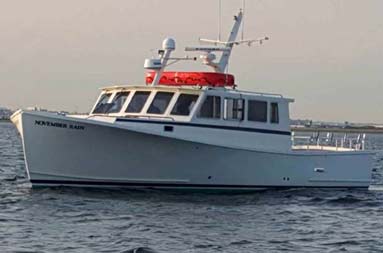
x=369, y=130
x=5, y=120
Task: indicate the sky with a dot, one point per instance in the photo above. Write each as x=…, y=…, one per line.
x=327, y=55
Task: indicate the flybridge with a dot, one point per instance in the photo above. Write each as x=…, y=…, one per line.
x=218, y=78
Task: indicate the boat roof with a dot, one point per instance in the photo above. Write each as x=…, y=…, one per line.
x=147, y=87
x=191, y=89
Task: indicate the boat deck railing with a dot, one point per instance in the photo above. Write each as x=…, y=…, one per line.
x=262, y=94
x=329, y=142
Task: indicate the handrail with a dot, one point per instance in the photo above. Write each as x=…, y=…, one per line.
x=260, y=93
x=131, y=116
x=345, y=142
x=149, y=117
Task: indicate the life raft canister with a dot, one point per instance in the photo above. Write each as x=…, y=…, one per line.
x=192, y=78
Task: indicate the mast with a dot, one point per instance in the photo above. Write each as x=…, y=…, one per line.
x=208, y=58
x=233, y=35
x=158, y=65
x=223, y=46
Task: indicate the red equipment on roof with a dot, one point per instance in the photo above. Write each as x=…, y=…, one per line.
x=192, y=78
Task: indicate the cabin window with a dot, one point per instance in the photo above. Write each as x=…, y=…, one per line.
x=234, y=109
x=257, y=111
x=160, y=102
x=274, y=113
x=184, y=104
x=138, y=101
x=102, y=105
x=211, y=108
x=118, y=101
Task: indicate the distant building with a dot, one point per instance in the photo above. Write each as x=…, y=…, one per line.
x=301, y=122
x=5, y=113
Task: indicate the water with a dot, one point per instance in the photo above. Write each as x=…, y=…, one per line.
x=94, y=220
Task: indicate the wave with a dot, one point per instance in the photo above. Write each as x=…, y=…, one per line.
x=348, y=199
x=140, y=250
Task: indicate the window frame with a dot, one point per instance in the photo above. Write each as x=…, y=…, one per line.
x=143, y=108
x=153, y=98
x=271, y=113
x=111, y=95
x=249, y=108
x=122, y=109
x=198, y=115
x=175, y=100
x=243, y=109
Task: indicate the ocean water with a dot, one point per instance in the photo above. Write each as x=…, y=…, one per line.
x=96, y=220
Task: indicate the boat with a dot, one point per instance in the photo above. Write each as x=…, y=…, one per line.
x=186, y=130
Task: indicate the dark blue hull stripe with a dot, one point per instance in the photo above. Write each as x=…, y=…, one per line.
x=167, y=185
x=245, y=129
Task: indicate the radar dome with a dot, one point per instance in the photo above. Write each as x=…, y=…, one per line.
x=169, y=44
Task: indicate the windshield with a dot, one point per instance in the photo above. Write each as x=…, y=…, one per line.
x=115, y=106
x=102, y=104
x=118, y=101
x=160, y=102
x=138, y=101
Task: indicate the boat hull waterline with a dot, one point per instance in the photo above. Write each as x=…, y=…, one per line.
x=66, y=151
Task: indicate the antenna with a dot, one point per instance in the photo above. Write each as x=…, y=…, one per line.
x=243, y=22
x=224, y=46
x=219, y=19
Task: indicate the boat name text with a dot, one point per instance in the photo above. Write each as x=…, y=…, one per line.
x=59, y=125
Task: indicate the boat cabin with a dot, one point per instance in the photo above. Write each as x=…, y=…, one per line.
x=203, y=105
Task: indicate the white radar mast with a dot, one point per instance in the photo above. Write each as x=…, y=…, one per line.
x=224, y=46
x=157, y=65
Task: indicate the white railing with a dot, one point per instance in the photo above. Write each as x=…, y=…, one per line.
x=353, y=142
x=264, y=94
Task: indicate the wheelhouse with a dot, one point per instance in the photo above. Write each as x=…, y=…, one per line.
x=217, y=106
x=147, y=102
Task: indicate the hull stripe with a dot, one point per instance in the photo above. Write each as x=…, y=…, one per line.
x=167, y=185
x=245, y=129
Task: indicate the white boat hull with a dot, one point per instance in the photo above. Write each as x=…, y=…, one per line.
x=68, y=151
